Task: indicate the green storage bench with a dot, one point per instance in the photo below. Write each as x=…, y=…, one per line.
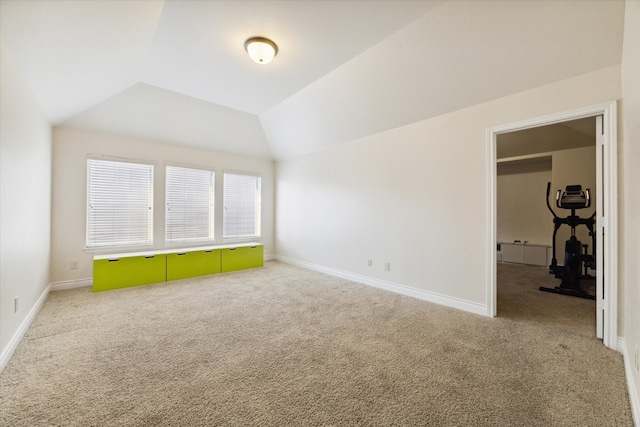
x=124, y=270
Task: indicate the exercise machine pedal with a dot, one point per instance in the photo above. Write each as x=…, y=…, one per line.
x=570, y=292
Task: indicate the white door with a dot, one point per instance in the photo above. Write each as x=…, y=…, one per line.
x=600, y=231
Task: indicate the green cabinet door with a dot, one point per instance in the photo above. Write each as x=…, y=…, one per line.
x=242, y=257
x=183, y=265
x=128, y=271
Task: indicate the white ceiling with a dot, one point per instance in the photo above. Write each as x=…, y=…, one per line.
x=176, y=71
x=76, y=54
x=162, y=115
x=546, y=139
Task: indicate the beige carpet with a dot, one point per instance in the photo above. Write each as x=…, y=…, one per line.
x=286, y=346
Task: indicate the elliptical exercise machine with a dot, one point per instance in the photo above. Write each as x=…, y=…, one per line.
x=577, y=261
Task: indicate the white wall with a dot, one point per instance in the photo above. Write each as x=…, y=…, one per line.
x=522, y=212
x=25, y=211
x=70, y=150
x=629, y=228
x=414, y=196
x=521, y=189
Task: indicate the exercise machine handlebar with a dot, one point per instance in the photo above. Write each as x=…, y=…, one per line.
x=549, y=204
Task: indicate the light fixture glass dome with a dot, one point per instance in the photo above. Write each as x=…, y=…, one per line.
x=260, y=49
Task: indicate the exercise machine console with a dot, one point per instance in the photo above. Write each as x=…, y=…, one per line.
x=577, y=260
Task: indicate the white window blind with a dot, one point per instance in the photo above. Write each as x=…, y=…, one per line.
x=189, y=204
x=241, y=205
x=119, y=203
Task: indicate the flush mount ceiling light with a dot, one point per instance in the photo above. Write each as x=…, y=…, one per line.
x=260, y=49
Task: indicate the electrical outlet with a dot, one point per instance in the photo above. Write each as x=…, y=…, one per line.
x=370, y=263
x=387, y=266
x=74, y=264
x=15, y=304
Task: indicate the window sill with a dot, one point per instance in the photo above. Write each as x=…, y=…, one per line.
x=174, y=250
x=247, y=239
x=114, y=249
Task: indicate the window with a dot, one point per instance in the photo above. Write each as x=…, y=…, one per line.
x=241, y=205
x=189, y=204
x=119, y=203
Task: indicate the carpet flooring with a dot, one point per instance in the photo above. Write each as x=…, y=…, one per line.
x=283, y=345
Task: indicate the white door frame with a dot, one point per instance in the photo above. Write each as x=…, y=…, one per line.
x=609, y=181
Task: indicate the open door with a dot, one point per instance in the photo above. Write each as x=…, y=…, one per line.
x=600, y=197
x=606, y=228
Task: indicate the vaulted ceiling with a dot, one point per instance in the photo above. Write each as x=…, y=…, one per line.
x=176, y=71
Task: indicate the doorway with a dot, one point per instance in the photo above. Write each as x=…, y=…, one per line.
x=606, y=225
x=530, y=162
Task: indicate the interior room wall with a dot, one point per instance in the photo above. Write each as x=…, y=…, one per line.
x=415, y=196
x=25, y=212
x=70, y=150
x=629, y=227
x=521, y=189
x=522, y=213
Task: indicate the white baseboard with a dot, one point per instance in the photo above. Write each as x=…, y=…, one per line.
x=433, y=297
x=7, y=352
x=270, y=257
x=634, y=392
x=71, y=284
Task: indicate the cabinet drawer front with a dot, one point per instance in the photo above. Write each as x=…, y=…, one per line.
x=242, y=258
x=128, y=271
x=512, y=252
x=182, y=265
